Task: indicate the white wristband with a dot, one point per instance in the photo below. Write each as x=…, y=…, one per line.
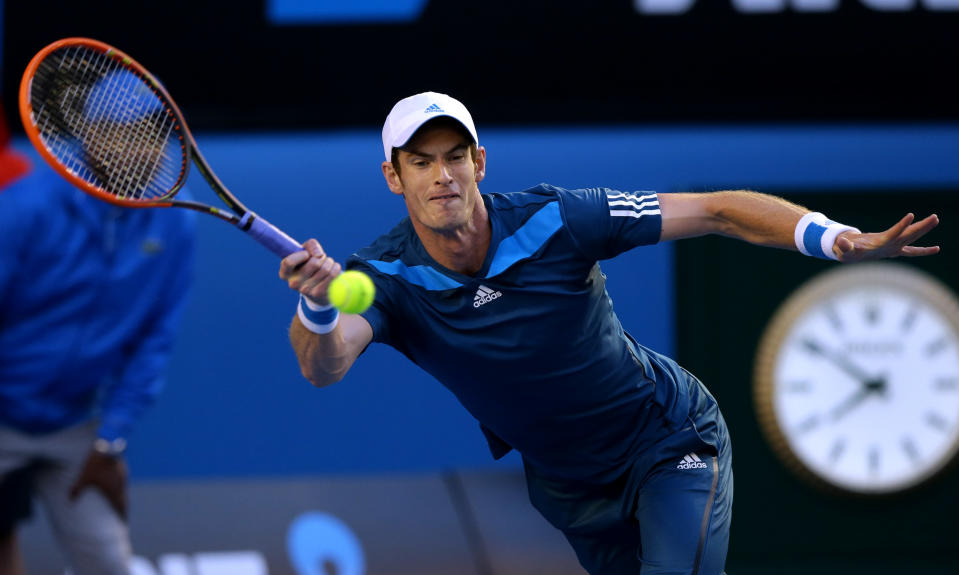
x=815, y=235
x=317, y=318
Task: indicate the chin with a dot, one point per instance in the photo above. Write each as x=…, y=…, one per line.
x=448, y=224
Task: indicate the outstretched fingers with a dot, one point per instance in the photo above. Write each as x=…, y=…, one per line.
x=915, y=251
x=902, y=237
x=893, y=242
x=915, y=231
x=899, y=227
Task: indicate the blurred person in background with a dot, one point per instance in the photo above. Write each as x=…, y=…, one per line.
x=90, y=300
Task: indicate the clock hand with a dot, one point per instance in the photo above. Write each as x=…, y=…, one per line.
x=848, y=404
x=840, y=361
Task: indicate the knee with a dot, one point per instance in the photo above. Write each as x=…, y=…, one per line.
x=104, y=552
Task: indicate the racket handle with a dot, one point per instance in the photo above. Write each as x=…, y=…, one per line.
x=269, y=235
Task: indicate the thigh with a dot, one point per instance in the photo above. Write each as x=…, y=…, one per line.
x=591, y=518
x=94, y=538
x=684, y=512
x=608, y=552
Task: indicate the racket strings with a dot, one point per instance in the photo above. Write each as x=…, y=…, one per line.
x=106, y=125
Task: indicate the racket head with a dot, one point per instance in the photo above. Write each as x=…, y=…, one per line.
x=105, y=123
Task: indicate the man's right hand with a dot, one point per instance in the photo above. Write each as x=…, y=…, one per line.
x=107, y=474
x=310, y=271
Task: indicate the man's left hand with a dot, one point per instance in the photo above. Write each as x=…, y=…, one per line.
x=894, y=242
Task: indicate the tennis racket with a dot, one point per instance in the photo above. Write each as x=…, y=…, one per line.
x=110, y=128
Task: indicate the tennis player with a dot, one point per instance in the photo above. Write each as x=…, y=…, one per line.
x=500, y=297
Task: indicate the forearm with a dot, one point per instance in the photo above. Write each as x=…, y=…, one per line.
x=756, y=218
x=770, y=221
x=139, y=381
x=325, y=358
x=326, y=342
x=142, y=375
x=126, y=403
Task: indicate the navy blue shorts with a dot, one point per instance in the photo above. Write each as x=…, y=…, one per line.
x=670, y=519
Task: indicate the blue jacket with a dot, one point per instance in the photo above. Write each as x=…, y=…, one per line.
x=90, y=298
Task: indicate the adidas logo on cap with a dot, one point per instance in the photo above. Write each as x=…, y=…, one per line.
x=484, y=295
x=432, y=109
x=691, y=461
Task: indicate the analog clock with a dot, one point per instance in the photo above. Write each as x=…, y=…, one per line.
x=857, y=379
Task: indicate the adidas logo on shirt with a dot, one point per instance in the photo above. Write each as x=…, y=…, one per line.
x=484, y=295
x=691, y=461
x=433, y=108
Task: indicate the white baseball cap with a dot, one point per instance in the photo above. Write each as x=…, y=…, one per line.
x=410, y=113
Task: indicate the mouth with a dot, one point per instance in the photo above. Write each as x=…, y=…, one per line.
x=444, y=196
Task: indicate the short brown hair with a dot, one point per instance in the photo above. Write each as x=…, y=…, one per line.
x=441, y=122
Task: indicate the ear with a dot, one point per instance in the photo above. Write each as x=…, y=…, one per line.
x=480, y=165
x=393, y=180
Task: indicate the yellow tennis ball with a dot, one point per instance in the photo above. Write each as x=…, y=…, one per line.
x=351, y=292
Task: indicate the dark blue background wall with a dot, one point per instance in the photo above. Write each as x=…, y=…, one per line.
x=235, y=402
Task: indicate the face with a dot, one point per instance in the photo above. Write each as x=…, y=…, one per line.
x=438, y=179
x=135, y=162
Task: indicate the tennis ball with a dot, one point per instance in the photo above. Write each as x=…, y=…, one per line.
x=351, y=292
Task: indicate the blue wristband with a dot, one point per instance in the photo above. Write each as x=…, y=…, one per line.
x=815, y=235
x=317, y=318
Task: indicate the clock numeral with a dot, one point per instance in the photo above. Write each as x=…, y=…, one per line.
x=833, y=316
x=909, y=446
x=909, y=318
x=837, y=449
x=937, y=346
x=946, y=384
x=811, y=345
x=797, y=387
x=874, y=460
x=872, y=313
x=808, y=424
x=937, y=421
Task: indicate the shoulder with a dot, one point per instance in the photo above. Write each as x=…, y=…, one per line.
x=515, y=209
x=39, y=187
x=532, y=197
x=389, y=246
x=545, y=193
x=39, y=192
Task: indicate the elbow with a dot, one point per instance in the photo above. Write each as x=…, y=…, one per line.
x=321, y=378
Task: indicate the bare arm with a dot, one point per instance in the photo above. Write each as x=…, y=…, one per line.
x=770, y=221
x=756, y=218
x=324, y=358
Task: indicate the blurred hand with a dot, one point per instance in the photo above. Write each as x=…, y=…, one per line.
x=108, y=474
x=894, y=242
x=310, y=271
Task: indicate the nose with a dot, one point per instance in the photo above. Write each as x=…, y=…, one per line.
x=444, y=173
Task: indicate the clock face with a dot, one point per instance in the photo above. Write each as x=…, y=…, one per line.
x=857, y=378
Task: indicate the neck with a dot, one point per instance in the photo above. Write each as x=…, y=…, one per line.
x=463, y=249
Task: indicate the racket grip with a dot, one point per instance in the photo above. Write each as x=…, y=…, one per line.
x=269, y=236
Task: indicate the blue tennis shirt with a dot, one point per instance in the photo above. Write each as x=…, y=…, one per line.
x=530, y=345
